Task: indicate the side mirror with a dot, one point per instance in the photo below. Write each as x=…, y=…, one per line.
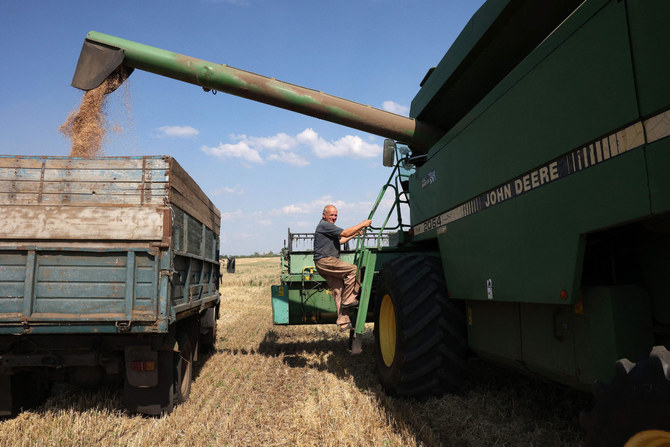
x=389, y=153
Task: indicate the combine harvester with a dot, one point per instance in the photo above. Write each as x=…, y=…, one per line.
x=539, y=200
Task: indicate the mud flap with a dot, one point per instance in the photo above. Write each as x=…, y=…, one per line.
x=157, y=399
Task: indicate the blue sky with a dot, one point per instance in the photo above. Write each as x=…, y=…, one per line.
x=266, y=169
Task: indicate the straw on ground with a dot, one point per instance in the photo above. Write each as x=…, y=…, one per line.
x=284, y=386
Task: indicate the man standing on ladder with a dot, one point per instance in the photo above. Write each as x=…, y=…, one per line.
x=340, y=275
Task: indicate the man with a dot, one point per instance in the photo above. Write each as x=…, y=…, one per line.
x=340, y=275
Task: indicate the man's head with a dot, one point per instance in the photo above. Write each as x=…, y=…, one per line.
x=330, y=213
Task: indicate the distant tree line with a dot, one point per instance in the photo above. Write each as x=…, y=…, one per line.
x=267, y=254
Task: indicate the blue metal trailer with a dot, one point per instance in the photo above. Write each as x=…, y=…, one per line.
x=108, y=270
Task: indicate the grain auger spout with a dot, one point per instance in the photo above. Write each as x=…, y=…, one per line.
x=102, y=54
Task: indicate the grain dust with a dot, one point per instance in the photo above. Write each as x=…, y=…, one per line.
x=86, y=126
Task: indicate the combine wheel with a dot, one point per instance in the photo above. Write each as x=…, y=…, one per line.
x=637, y=400
x=649, y=438
x=183, y=367
x=420, y=334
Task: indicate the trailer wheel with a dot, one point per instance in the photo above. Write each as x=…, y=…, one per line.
x=208, y=333
x=420, y=338
x=637, y=400
x=183, y=368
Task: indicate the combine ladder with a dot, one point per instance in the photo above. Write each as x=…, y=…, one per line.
x=366, y=257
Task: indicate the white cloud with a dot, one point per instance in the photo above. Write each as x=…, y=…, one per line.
x=284, y=148
x=396, y=108
x=315, y=207
x=288, y=158
x=240, y=150
x=178, y=131
x=231, y=215
x=237, y=189
x=299, y=208
x=347, y=146
x=281, y=141
x=265, y=222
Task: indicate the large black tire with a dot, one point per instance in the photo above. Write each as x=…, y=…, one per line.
x=420, y=334
x=637, y=399
x=183, y=367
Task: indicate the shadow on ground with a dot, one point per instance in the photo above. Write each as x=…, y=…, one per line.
x=496, y=406
x=106, y=397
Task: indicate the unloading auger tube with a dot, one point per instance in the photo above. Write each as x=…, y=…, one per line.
x=101, y=54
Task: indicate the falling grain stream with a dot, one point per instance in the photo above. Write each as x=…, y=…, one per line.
x=86, y=126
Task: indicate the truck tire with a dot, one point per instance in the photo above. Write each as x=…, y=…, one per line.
x=420, y=334
x=208, y=333
x=183, y=367
x=638, y=399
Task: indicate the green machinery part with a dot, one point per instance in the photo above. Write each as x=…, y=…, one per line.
x=101, y=54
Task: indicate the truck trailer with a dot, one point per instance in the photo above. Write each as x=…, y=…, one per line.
x=109, y=271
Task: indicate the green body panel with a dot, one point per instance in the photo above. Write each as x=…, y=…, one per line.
x=495, y=328
x=574, y=345
x=650, y=32
x=531, y=247
x=547, y=341
x=573, y=89
x=568, y=147
x=616, y=323
x=577, y=87
x=280, y=305
x=649, y=29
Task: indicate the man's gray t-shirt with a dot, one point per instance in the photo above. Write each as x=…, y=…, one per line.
x=326, y=240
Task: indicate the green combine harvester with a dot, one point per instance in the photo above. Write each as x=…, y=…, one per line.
x=534, y=166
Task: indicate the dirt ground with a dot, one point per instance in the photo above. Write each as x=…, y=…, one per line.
x=282, y=386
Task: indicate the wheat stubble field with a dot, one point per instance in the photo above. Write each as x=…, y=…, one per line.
x=285, y=386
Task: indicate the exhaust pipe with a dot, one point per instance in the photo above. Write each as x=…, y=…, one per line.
x=101, y=54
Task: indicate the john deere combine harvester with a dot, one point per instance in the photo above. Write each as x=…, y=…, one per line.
x=539, y=231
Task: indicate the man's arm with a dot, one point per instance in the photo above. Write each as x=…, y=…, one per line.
x=351, y=232
x=344, y=240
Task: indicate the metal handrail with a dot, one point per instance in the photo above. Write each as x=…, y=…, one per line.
x=393, y=182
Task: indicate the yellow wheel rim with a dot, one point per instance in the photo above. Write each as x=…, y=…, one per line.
x=387, y=330
x=649, y=438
